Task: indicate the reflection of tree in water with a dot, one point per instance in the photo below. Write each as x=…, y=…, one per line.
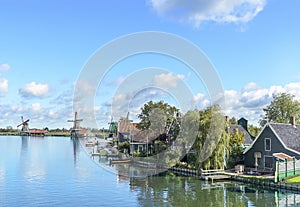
x=188, y=191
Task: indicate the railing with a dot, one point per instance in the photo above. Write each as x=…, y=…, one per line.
x=212, y=172
x=286, y=169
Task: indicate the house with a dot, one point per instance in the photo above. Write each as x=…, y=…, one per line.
x=242, y=127
x=276, y=141
x=140, y=141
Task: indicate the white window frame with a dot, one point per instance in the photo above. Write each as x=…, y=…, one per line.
x=266, y=144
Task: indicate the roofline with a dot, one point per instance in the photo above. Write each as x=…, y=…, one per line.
x=255, y=139
x=278, y=137
x=283, y=142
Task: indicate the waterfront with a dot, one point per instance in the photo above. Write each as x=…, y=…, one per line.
x=56, y=171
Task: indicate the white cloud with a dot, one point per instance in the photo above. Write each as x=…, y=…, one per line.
x=34, y=89
x=4, y=67
x=3, y=85
x=250, y=101
x=198, y=11
x=167, y=80
x=36, y=106
x=250, y=86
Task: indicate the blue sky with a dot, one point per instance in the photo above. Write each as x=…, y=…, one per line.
x=253, y=44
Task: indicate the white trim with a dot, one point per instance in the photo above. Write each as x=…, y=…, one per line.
x=280, y=140
x=255, y=139
x=265, y=142
x=283, y=142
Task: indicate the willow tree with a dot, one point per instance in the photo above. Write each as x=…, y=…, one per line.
x=212, y=142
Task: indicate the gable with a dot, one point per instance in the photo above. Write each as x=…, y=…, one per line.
x=269, y=132
x=289, y=134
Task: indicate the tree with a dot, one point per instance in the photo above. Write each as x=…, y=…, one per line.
x=212, y=142
x=281, y=109
x=157, y=116
x=254, y=130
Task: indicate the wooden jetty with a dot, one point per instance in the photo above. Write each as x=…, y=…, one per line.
x=218, y=174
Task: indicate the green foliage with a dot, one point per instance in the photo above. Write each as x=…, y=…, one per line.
x=235, y=147
x=215, y=147
x=233, y=121
x=156, y=116
x=159, y=146
x=254, y=130
x=281, y=109
x=124, y=147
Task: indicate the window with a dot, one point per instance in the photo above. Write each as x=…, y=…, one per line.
x=267, y=144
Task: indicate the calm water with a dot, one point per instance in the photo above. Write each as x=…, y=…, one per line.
x=56, y=171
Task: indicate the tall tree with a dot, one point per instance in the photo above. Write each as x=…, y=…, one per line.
x=156, y=116
x=281, y=109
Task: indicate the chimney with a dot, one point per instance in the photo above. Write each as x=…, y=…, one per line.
x=293, y=121
x=227, y=119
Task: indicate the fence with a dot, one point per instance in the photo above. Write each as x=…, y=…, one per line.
x=287, y=168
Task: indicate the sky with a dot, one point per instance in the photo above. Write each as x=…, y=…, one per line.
x=45, y=45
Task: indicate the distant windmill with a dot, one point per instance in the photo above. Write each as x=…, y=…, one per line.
x=112, y=128
x=76, y=125
x=25, y=129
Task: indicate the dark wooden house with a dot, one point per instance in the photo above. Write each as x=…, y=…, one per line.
x=276, y=141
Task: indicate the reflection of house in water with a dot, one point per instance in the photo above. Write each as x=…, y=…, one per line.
x=262, y=197
x=288, y=200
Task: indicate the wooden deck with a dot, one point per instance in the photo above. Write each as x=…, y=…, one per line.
x=218, y=174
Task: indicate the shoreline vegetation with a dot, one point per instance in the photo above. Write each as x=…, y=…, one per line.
x=9, y=131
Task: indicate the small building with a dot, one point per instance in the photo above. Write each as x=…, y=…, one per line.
x=276, y=141
x=37, y=132
x=242, y=127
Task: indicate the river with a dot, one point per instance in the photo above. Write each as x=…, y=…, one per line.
x=57, y=171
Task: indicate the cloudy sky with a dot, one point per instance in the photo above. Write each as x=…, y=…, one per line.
x=45, y=45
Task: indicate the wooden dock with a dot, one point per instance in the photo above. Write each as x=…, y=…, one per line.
x=218, y=174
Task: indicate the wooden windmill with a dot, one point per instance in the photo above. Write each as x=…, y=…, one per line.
x=24, y=124
x=76, y=125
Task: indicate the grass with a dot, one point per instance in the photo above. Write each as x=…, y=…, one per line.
x=294, y=180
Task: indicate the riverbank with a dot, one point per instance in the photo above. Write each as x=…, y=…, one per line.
x=266, y=182
x=58, y=134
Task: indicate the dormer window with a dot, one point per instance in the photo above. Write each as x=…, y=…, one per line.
x=267, y=144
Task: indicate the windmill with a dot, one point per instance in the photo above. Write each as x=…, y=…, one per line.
x=113, y=127
x=76, y=126
x=24, y=124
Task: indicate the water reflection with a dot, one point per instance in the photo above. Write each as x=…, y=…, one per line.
x=75, y=149
x=24, y=145
x=185, y=191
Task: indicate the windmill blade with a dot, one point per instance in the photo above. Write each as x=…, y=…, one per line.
x=24, y=122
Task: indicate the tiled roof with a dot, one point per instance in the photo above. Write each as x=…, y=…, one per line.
x=248, y=140
x=289, y=134
x=125, y=127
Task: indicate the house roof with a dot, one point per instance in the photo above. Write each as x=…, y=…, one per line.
x=124, y=126
x=289, y=134
x=282, y=156
x=248, y=140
